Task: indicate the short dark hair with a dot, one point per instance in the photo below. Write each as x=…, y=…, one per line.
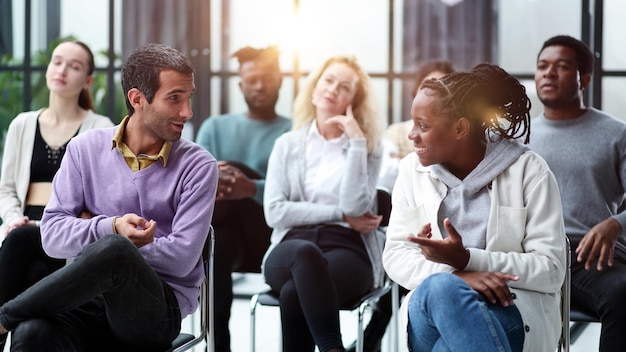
x=142, y=68
x=269, y=55
x=584, y=57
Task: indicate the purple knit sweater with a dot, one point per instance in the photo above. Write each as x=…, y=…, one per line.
x=179, y=197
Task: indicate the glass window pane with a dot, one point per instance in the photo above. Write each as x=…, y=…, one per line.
x=525, y=24
x=77, y=18
x=260, y=24
x=328, y=27
x=613, y=96
x=614, y=29
x=363, y=32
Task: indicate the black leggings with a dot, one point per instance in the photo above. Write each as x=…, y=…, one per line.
x=315, y=270
x=23, y=262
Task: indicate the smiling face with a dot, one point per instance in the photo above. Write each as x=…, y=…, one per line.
x=165, y=117
x=68, y=71
x=557, y=78
x=433, y=133
x=335, y=90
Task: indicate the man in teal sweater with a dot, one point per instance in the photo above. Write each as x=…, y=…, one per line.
x=242, y=142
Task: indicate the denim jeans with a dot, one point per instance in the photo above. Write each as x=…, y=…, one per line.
x=446, y=314
x=108, y=298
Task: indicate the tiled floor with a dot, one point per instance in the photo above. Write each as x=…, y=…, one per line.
x=268, y=324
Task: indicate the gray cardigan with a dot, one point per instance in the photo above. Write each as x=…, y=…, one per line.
x=284, y=203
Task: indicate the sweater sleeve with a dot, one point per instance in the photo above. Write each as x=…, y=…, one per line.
x=63, y=233
x=403, y=260
x=10, y=204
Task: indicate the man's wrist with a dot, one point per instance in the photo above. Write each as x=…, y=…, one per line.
x=114, y=229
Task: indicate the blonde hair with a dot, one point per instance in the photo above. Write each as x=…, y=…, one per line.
x=362, y=104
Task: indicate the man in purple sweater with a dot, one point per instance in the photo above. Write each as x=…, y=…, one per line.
x=132, y=205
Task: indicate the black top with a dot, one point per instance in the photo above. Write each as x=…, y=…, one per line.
x=46, y=161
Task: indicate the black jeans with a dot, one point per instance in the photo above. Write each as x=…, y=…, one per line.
x=603, y=292
x=315, y=270
x=108, y=298
x=241, y=239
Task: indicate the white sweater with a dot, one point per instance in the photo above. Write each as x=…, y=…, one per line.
x=525, y=236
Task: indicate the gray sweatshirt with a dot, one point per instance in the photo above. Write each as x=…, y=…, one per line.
x=588, y=158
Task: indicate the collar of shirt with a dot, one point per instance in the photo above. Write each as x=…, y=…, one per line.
x=314, y=134
x=141, y=161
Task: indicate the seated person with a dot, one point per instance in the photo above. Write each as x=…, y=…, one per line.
x=397, y=143
x=242, y=143
x=132, y=205
x=319, y=193
x=586, y=150
x=476, y=229
x=34, y=147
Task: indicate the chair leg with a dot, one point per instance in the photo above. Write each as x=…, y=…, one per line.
x=253, y=304
x=576, y=330
x=360, y=333
x=395, y=304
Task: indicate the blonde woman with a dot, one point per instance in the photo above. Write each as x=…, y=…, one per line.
x=34, y=146
x=320, y=189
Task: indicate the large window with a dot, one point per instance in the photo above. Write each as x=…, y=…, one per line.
x=389, y=38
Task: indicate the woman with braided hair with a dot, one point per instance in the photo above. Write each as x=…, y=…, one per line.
x=476, y=231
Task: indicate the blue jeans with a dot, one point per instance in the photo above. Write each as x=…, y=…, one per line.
x=446, y=314
x=108, y=298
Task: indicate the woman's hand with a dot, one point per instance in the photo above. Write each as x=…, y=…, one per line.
x=23, y=221
x=493, y=286
x=347, y=123
x=447, y=251
x=365, y=223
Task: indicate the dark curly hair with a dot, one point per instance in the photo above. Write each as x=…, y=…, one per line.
x=269, y=54
x=488, y=96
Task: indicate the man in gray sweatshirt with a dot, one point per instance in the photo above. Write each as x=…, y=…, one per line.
x=586, y=150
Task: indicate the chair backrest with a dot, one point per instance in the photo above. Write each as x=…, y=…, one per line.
x=565, y=300
x=383, y=198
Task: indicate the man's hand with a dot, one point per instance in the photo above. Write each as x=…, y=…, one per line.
x=365, y=223
x=493, y=286
x=137, y=229
x=447, y=251
x=599, y=243
x=233, y=184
